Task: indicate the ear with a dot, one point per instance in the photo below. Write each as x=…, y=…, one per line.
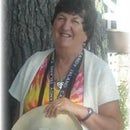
x=84, y=40
x=84, y=44
x=85, y=37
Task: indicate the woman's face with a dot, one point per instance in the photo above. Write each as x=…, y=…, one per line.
x=68, y=31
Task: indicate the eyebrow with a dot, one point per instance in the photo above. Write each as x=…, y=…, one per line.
x=77, y=18
x=61, y=15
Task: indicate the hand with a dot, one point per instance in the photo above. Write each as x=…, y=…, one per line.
x=59, y=105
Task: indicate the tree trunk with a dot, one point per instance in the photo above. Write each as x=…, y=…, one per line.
x=29, y=30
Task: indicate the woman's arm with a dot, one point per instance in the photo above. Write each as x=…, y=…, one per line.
x=108, y=118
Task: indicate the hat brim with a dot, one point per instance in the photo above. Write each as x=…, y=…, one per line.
x=36, y=120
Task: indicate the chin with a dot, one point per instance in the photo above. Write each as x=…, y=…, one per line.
x=63, y=44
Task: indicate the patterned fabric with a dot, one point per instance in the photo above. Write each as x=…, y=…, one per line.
x=31, y=99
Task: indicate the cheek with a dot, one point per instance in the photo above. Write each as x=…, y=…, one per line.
x=56, y=25
x=55, y=33
x=54, y=29
x=81, y=34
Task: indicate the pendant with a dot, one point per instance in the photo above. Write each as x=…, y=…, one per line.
x=60, y=84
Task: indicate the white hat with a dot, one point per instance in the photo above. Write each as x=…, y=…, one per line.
x=36, y=120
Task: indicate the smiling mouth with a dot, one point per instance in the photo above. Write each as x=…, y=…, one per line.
x=66, y=35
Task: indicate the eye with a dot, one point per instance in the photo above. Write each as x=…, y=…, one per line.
x=60, y=18
x=76, y=21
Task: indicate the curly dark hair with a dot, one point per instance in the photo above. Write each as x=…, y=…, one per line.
x=83, y=8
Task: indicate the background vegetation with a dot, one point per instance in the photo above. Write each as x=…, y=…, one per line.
x=123, y=90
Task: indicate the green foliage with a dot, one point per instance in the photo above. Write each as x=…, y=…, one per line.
x=123, y=90
x=99, y=6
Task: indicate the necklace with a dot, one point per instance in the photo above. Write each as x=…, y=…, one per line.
x=59, y=84
x=65, y=85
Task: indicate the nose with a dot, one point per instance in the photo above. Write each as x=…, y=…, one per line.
x=66, y=25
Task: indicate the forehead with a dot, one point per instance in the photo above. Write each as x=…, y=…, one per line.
x=73, y=15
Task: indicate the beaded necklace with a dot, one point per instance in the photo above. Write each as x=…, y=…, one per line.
x=67, y=83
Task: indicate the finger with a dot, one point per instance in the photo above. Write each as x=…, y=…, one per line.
x=53, y=108
x=53, y=112
x=48, y=109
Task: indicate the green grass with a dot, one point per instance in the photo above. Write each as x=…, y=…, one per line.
x=123, y=91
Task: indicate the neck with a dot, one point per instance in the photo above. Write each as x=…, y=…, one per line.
x=67, y=56
x=64, y=60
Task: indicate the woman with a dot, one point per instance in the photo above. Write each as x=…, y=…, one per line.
x=69, y=78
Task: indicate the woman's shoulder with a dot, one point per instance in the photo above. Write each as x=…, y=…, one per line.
x=36, y=59
x=40, y=54
x=94, y=59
